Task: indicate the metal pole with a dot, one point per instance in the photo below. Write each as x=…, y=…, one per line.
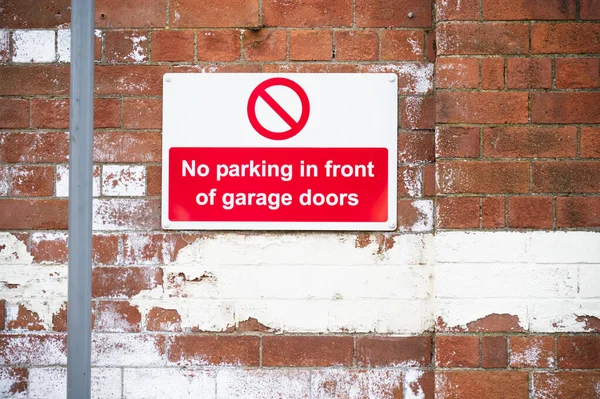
x=80, y=200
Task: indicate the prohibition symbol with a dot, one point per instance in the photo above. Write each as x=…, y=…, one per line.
x=295, y=126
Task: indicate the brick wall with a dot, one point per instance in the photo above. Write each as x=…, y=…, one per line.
x=499, y=130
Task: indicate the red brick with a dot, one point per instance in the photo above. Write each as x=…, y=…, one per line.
x=309, y=68
x=430, y=45
x=457, y=142
x=465, y=10
x=590, y=142
x=31, y=80
x=154, y=176
x=361, y=45
x=487, y=107
x=55, y=113
x=417, y=113
x=15, y=382
x=566, y=385
x=457, y=73
x=409, y=181
x=307, y=13
x=33, y=214
x=493, y=38
x=483, y=384
x=117, y=316
x=265, y=45
x=151, y=248
x=50, y=248
x=34, y=147
x=142, y=113
x=126, y=46
x=565, y=107
x=457, y=212
x=31, y=181
x=404, y=45
x=492, y=212
x=389, y=351
x=416, y=147
x=530, y=212
x=566, y=177
x=29, y=14
x=530, y=142
x=173, y=45
x=33, y=349
x=472, y=177
x=492, y=73
x=126, y=213
x=494, y=352
x=577, y=73
x=2, y=314
x=531, y=352
x=315, y=351
x=129, y=79
x=124, y=282
x=14, y=113
x=214, y=13
x=159, y=319
x=25, y=320
x=572, y=38
x=578, y=212
x=59, y=319
x=579, y=352
x=214, y=350
x=127, y=147
x=130, y=13
x=219, y=45
x=428, y=180
x=306, y=45
x=107, y=112
x=105, y=249
x=590, y=9
x=456, y=351
x=528, y=9
x=529, y=73
x=393, y=13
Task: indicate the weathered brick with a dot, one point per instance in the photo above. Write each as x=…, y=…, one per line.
x=307, y=13
x=416, y=147
x=492, y=73
x=126, y=213
x=482, y=177
x=457, y=73
x=34, y=80
x=154, y=177
x=312, y=351
x=482, y=384
x=14, y=113
x=415, y=215
x=457, y=212
x=530, y=142
x=577, y=73
x=29, y=14
x=126, y=46
x=406, y=45
x=495, y=38
x=117, y=316
x=530, y=212
x=417, y=113
x=33, y=349
x=105, y=249
x=494, y=352
x=123, y=180
x=219, y=45
x=389, y=13
x=130, y=13
x=218, y=68
x=579, y=352
x=456, y=351
x=173, y=45
x=33, y=147
x=566, y=385
x=127, y=146
x=15, y=382
x=590, y=9
x=492, y=212
x=410, y=181
x=362, y=45
x=24, y=320
x=529, y=73
x=214, y=350
x=265, y=45
x=565, y=107
x=566, y=177
x=590, y=142
x=413, y=78
x=31, y=181
x=487, y=107
x=159, y=319
x=389, y=351
x=55, y=113
x=214, y=13
x=360, y=384
x=124, y=282
x=49, y=247
x=528, y=9
x=578, y=212
x=465, y=10
x=33, y=214
x=571, y=38
x=457, y=142
x=129, y=79
x=428, y=180
x=531, y=352
x=142, y=113
x=151, y=248
x=307, y=45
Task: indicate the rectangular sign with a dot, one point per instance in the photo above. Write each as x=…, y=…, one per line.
x=279, y=151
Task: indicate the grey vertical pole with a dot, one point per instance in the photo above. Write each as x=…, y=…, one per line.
x=80, y=200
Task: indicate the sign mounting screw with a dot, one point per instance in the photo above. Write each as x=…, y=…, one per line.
x=392, y=78
x=392, y=226
x=167, y=79
x=410, y=15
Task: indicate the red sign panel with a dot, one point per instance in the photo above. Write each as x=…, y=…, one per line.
x=278, y=184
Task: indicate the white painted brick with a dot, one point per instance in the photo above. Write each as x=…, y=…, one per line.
x=13, y=251
x=33, y=282
x=460, y=312
x=4, y=45
x=565, y=247
x=168, y=383
x=352, y=384
x=64, y=44
x=3, y=178
x=11, y=383
x=424, y=221
x=33, y=46
x=589, y=281
x=45, y=309
x=121, y=214
x=34, y=350
x=562, y=316
x=123, y=180
x=263, y=384
x=62, y=181
x=51, y=383
x=286, y=315
x=481, y=247
x=472, y=280
x=127, y=350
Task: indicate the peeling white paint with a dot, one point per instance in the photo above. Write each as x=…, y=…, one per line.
x=3, y=179
x=262, y=384
x=33, y=46
x=123, y=180
x=412, y=180
x=62, y=181
x=412, y=386
x=168, y=383
x=127, y=350
x=9, y=380
x=532, y=355
x=350, y=384
x=64, y=43
x=13, y=251
x=138, y=51
x=4, y=46
x=418, y=77
x=51, y=383
x=424, y=221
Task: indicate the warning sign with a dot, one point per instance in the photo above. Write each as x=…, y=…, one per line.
x=279, y=152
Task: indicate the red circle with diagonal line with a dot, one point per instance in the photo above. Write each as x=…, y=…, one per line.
x=295, y=125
